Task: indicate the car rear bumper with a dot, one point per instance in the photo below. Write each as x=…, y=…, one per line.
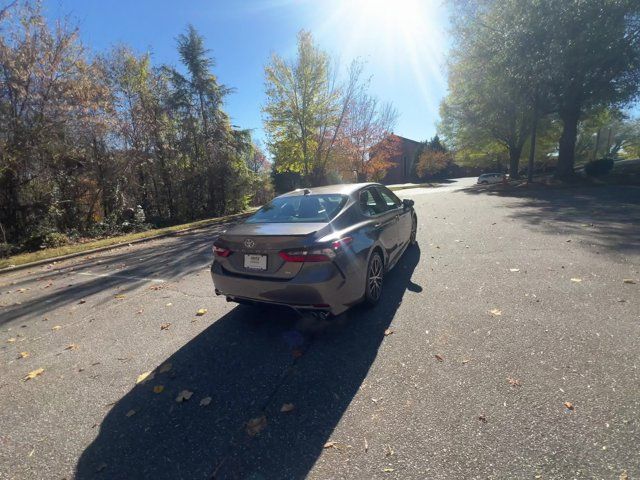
x=323, y=288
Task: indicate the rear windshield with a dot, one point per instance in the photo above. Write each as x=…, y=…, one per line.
x=300, y=209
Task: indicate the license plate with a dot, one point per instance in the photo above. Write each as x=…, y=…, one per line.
x=255, y=262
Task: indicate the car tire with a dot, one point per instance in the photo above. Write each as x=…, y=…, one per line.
x=374, y=279
x=414, y=230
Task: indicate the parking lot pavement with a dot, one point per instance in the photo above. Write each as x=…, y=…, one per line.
x=506, y=346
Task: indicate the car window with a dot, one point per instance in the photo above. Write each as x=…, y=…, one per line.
x=300, y=209
x=390, y=199
x=371, y=202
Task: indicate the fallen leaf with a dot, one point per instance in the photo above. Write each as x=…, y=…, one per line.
x=577, y=280
x=629, y=281
x=495, y=312
x=569, y=405
x=201, y=312
x=514, y=382
x=482, y=418
x=183, y=396
x=256, y=425
x=387, y=470
x=143, y=377
x=131, y=413
x=465, y=361
x=165, y=326
x=119, y=296
x=140, y=311
x=366, y=445
x=169, y=304
x=287, y=407
x=514, y=269
x=389, y=451
x=101, y=467
x=11, y=340
x=205, y=401
x=330, y=444
x=388, y=332
x=82, y=301
x=71, y=346
x=33, y=374
x=439, y=358
x=165, y=367
x=158, y=389
x=23, y=354
x=57, y=327
x=624, y=475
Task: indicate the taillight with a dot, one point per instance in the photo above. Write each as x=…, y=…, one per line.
x=319, y=254
x=221, y=252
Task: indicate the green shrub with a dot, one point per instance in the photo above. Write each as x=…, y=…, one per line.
x=6, y=249
x=600, y=167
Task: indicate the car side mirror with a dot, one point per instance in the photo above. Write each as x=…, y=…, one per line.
x=407, y=203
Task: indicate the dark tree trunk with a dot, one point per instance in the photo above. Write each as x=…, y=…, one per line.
x=567, y=147
x=532, y=149
x=514, y=161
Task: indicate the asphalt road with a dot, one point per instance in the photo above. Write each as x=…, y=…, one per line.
x=514, y=303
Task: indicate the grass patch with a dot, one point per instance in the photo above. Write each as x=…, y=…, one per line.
x=50, y=253
x=415, y=185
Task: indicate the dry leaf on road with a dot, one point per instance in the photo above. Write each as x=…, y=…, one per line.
x=165, y=326
x=629, y=281
x=330, y=444
x=514, y=382
x=439, y=358
x=119, y=296
x=23, y=354
x=388, y=332
x=165, y=367
x=256, y=425
x=143, y=377
x=201, y=312
x=387, y=470
x=131, y=413
x=183, y=396
x=57, y=327
x=576, y=280
x=158, y=389
x=205, y=401
x=71, y=346
x=569, y=405
x=514, y=269
x=495, y=312
x=11, y=340
x=33, y=374
x=287, y=407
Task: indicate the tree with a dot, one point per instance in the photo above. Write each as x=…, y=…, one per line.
x=432, y=158
x=301, y=101
x=485, y=104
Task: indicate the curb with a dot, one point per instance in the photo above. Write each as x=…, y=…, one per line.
x=24, y=266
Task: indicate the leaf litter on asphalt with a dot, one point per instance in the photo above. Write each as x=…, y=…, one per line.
x=165, y=367
x=495, y=312
x=205, y=401
x=23, y=354
x=254, y=426
x=33, y=374
x=183, y=396
x=287, y=407
x=201, y=312
x=144, y=377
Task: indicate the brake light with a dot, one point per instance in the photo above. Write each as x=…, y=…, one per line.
x=319, y=254
x=221, y=252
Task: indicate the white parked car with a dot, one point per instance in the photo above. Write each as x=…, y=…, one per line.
x=487, y=178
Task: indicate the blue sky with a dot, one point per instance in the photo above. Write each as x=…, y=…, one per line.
x=403, y=43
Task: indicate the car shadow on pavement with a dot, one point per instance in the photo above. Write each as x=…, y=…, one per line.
x=249, y=363
x=607, y=217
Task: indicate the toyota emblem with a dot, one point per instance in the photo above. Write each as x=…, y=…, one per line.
x=249, y=243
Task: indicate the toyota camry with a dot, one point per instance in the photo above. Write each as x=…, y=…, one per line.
x=317, y=250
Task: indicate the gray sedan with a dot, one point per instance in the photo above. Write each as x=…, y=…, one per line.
x=317, y=250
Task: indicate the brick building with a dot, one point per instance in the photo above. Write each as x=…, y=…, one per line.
x=402, y=169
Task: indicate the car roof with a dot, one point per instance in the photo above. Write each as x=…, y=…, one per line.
x=340, y=188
